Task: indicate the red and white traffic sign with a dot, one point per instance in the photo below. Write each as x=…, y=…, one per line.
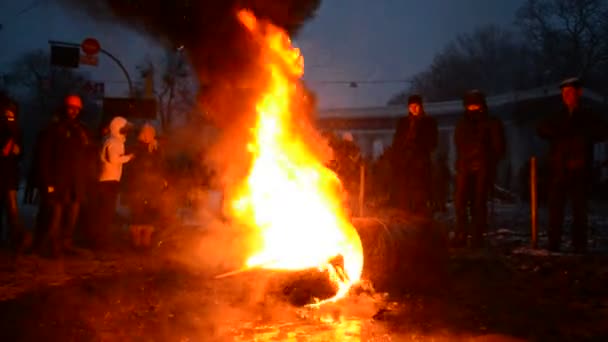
x=90, y=46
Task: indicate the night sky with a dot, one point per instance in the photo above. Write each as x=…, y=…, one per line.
x=349, y=40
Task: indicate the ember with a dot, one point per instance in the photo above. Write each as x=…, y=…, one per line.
x=289, y=197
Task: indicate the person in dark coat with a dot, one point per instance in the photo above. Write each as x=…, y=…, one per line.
x=10, y=154
x=62, y=163
x=145, y=186
x=413, y=144
x=480, y=145
x=36, y=191
x=571, y=133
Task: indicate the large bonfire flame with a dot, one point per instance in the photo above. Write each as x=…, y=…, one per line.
x=291, y=199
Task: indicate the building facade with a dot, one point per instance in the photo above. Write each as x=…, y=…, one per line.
x=373, y=128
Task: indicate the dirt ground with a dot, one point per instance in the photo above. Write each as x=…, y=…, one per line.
x=498, y=294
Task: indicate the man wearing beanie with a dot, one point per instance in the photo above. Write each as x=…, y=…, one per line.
x=414, y=141
x=480, y=145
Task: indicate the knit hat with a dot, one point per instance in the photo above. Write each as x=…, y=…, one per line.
x=414, y=99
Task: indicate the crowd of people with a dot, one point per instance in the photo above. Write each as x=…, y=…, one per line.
x=418, y=177
x=78, y=180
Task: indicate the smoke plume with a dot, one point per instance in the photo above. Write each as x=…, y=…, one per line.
x=221, y=52
x=218, y=47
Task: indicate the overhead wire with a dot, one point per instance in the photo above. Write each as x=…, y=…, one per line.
x=34, y=4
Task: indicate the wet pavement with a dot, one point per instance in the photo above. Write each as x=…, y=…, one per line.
x=506, y=292
x=487, y=297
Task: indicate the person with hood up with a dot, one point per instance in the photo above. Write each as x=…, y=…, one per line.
x=112, y=158
x=146, y=183
x=61, y=159
x=480, y=145
x=413, y=144
x=10, y=155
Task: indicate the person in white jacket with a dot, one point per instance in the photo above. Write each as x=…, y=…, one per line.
x=113, y=151
x=112, y=157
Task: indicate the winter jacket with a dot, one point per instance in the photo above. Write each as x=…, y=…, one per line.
x=571, y=138
x=112, y=154
x=145, y=174
x=61, y=152
x=413, y=143
x=10, y=136
x=480, y=142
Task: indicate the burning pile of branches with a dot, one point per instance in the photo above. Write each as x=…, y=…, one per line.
x=269, y=157
x=289, y=197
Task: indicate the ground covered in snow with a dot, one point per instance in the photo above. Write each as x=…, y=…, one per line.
x=506, y=292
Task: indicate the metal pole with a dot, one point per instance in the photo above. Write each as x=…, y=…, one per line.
x=533, y=204
x=361, y=188
x=105, y=52
x=124, y=70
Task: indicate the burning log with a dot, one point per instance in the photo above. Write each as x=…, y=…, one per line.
x=306, y=287
x=403, y=256
x=297, y=287
x=398, y=256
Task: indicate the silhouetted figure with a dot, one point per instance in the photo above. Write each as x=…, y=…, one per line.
x=346, y=163
x=36, y=190
x=414, y=141
x=348, y=160
x=11, y=149
x=480, y=144
x=62, y=161
x=571, y=133
x=145, y=186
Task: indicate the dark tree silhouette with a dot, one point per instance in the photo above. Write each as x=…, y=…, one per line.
x=490, y=58
x=172, y=82
x=554, y=39
x=567, y=37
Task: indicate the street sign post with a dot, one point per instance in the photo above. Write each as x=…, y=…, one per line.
x=88, y=46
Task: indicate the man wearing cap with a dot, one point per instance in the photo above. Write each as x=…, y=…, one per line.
x=571, y=133
x=62, y=174
x=480, y=145
x=414, y=141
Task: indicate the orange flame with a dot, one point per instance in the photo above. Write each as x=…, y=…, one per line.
x=290, y=198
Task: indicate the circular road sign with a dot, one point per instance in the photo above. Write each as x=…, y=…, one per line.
x=90, y=46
